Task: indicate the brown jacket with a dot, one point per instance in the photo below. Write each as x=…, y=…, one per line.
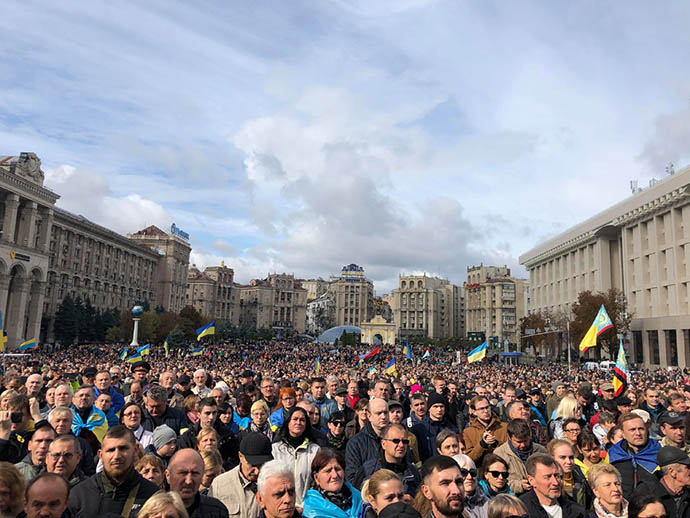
x=517, y=472
x=474, y=446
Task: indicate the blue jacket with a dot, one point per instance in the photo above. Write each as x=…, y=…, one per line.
x=326, y=407
x=316, y=506
x=276, y=418
x=117, y=399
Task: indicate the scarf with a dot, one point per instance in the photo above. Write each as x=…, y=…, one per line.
x=295, y=442
x=342, y=498
x=476, y=500
x=265, y=429
x=337, y=442
x=489, y=492
x=522, y=455
x=602, y=512
x=95, y=419
x=646, y=457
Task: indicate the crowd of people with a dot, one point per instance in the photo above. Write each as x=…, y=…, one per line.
x=262, y=430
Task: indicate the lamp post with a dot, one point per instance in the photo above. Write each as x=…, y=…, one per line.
x=137, y=311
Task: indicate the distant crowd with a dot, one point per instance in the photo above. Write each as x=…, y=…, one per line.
x=262, y=430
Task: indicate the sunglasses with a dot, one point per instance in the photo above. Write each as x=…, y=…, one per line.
x=338, y=423
x=496, y=474
x=471, y=472
x=398, y=441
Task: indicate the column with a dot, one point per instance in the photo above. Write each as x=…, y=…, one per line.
x=10, y=219
x=16, y=310
x=4, y=287
x=663, y=348
x=30, y=213
x=683, y=348
x=646, y=353
x=46, y=230
x=37, y=293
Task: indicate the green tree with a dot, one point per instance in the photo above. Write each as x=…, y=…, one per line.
x=114, y=335
x=167, y=321
x=66, y=325
x=190, y=321
x=148, y=327
x=176, y=338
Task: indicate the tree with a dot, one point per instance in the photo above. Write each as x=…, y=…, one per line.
x=148, y=326
x=585, y=311
x=538, y=322
x=167, y=321
x=190, y=321
x=66, y=325
x=114, y=335
x=176, y=338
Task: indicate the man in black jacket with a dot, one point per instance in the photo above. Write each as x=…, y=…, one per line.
x=156, y=411
x=184, y=474
x=14, y=437
x=545, y=497
x=366, y=443
x=118, y=485
x=227, y=442
x=672, y=486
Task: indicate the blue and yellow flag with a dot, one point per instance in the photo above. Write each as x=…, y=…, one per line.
x=208, y=329
x=372, y=370
x=166, y=347
x=477, y=354
x=390, y=368
x=407, y=351
x=601, y=323
x=144, y=349
x=317, y=365
x=3, y=335
x=28, y=345
x=197, y=351
x=136, y=357
x=123, y=354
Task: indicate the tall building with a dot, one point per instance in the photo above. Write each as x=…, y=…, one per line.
x=213, y=293
x=171, y=275
x=640, y=246
x=320, y=314
x=354, y=296
x=279, y=301
x=427, y=307
x=494, y=303
x=315, y=288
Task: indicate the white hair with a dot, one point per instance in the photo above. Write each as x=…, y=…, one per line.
x=60, y=410
x=273, y=468
x=464, y=461
x=69, y=387
x=333, y=378
x=200, y=371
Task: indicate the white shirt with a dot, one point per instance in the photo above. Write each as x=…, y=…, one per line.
x=554, y=511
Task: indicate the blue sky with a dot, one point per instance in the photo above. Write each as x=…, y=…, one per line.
x=405, y=136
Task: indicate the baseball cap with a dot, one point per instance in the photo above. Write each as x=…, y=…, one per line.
x=256, y=448
x=606, y=386
x=671, y=418
x=671, y=455
x=341, y=390
x=247, y=374
x=394, y=403
x=184, y=379
x=623, y=401
x=90, y=371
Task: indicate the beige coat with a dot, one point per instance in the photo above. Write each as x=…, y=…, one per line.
x=516, y=468
x=228, y=488
x=300, y=461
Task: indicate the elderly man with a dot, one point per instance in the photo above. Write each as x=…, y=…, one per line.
x=118, y=486
x=63, y=459
x=63, y=395
x=89, y=422
x=35, y=460
x=47, y=497
x=673, y=485
x=184, y=474
x=34, y=384
x=520, y=409
x=200, y=388
x=237, y=488
x=515, y=451
x=60, y=418
x=366, y=444
x=156, y=411
x=168, y=380
x=275, y=491
x=116, y=378
x=103, y=385
x=546, y=499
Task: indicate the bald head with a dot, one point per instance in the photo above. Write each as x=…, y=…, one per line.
x=377, y=412
x=184, y=474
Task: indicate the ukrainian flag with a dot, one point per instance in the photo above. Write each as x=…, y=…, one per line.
x=477, y=354
x=28, y=345
x=166, y=347
x=407, y=351
x=144, y=349
x=601, y=323
x=136, y=357
x=390, y=368
x=123, y=354
x=317, y=365
x=208, y=329
x=197, y=351
x=372, y=370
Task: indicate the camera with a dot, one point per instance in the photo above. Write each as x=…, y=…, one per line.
x=16, y=417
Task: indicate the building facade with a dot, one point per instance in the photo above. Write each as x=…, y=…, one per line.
x=428, y=307
x=213, y=293
x=315, y=288
x=640, y=246
x=354, y=296
x=279, y=301
x=320, y=314
x=494, y=303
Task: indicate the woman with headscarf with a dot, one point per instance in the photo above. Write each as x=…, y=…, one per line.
x=295, y=445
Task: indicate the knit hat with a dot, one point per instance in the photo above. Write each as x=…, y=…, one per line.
x=162, y=435
x=414, y=388
x=434, y=399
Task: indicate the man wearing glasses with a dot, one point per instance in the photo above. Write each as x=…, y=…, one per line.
x=515, y=451
x=545, y=499
x=63, y=459
x=393, y=456
x=485, y=432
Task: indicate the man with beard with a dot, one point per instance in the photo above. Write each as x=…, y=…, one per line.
x=515, y=451
x=545, y=499
x=118, y=486
x=442, y=487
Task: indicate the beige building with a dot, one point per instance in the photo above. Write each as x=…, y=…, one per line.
x=213, y=293
x=427, y=307
x=354, y=296
x=494, y=303
x=378, y=329
x=279, y=301
x=315, y=288
x=640, y=246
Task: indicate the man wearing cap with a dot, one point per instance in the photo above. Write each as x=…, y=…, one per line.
x=140, y=373
x=672, y=427
x=88, y=376
x=246, y=379
x=431, y=425
x=340, y=398
x=672, y=486
x=237, y=488
x=183, y=386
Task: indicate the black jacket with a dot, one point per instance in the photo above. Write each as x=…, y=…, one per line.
x=426, y=432
x=207, y=507
x=228, y=445
x=535, y=510
x=655, y=487
x=408, y=473
x=15, y=448
x=97, y=496
x=173, y=417
x=363, y=446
